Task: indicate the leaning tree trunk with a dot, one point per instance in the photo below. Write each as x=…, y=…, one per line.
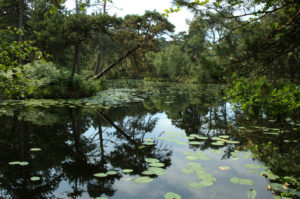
x=105, y=70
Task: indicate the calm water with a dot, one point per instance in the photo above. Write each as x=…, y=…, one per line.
x=177, y=126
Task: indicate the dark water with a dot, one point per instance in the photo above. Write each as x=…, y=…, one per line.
x=120, y=128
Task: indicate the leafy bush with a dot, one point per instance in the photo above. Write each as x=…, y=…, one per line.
x=258, y=96
x=50, y=82
x=13, y=84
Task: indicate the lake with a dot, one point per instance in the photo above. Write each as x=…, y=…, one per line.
x=145, y=140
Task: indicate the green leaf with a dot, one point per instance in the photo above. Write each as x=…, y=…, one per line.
x=35, y=178
x=111, y=173
x=143, y=180
x=127, y=170
x=35, y=149
x=100, y=175
x=171, y=195
x=200, y=185
x=251, y=194
x=157, y=164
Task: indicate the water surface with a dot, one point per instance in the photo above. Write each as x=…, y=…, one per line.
x=203, y=147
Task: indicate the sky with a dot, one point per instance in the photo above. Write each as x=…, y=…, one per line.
x=124, y=7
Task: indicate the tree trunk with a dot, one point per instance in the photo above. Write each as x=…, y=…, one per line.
x=21, y=27
x=77, y=6
x=99, y=56
x=75, y=59
x=78, y=60
x=104, y=6
x=115, y=63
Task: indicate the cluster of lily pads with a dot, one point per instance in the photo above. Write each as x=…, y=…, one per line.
x=217, y=141
x=104, y=99
x=154, y=169
x=206, y=179
x=25, y=163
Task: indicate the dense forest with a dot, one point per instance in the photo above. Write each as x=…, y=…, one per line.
x=48, y=51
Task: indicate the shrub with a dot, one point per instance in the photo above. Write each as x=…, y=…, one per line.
x=50, y=82
x=258, y=96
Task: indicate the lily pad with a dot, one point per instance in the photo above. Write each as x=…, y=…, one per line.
x=200, y=185
x=216, y=138
x=218, y=143
x=202, y=138
x=251, y=194
x=143, y=179
x=194, y=143
x=224, y=136
x=194, y=135
x=253, y=166
x=269, y=175
x=14, y=163
x=206, y=178
x=154, y=171
x=232, y=142
x=171, y=195
x=111, y=173
x=151, y=160
x=35, y=178
x=101, y=198
x=147, y=172
x=24, y=163
x=157, y=164
x=100, y=175
x=127, y=170
x=236, y=180
x=35, y=149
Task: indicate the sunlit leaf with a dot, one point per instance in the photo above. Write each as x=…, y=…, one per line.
x=151, y=160
x=157, y=164
x=35, y=149
x=143, y=179
x=171, y=195
x=127, y=170
x=200, y=185
x=111, y=173
x=35, y=178
x=251, y=194
x=100, y=175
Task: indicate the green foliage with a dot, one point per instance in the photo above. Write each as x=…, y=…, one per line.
x=13, y=84
x=258, y=96
x=49, y=82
